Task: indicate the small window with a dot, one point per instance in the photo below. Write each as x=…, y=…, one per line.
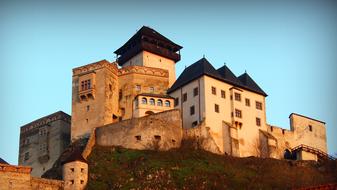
x=213, y=90
x=195, y=123
x=167, y=103
x=176, y=101
x=157, y=137
x=72, y=169
x=82, y=170
x=216, y=108
x=88, y=108
x=195, y=91
x=192, y=110
x=138, y=137
x=238, y=113
x=271, y=128
x=247, y=102
x=26, y=156
x=82, y=181
x=151, y=89
x=310, y=128
x=283, y=131
x=159, y=102
x=184, y=97
x=237, y=96
x=152, y=102
x=258, y=121
x=223, y=94
x=144, y=101
x=258, y=105
x=138, y=87
x=71, y=181
x=110, y=87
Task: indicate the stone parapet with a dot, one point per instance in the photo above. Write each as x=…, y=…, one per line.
x=143, y=70
x=94, y=66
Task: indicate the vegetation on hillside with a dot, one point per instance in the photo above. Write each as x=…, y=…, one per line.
x=119, y=168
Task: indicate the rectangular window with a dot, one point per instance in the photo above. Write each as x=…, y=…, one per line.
x=151, y=89
x=310, y=128
x=26, y=156
x=237, y=96
x=192, y=110
x=247, y=102
x=213, y=90
x=195, y=91
x=238, y=113
x=258, y=105
x=195, y=123
x=184, y=97
x=176, y=101
x=258, y=121
x=216, y=108
x=138, y=87
x=86, y=84
x=223, y=94
x=88, y=108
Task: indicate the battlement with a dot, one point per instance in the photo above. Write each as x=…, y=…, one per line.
x=94, y=66
x=143, y=70
x=17, y=169
x=45, y=120
x=278, y=130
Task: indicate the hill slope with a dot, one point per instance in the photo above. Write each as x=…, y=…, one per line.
x=119, y=168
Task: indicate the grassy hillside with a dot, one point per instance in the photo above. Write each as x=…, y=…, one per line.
x=118, y=168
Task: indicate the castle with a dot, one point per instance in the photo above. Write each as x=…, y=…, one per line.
x=137, y=102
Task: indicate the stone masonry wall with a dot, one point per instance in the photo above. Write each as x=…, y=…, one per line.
x=161, y=131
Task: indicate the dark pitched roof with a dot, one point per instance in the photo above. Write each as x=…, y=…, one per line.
x=3, y=161
x=146, y=31
x=228, y=76
x=194, y=71
x=248, y=83
x=76, y=155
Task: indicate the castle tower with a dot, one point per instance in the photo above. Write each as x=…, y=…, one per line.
x=94, y=97
x=75, y=172
x=151, y=49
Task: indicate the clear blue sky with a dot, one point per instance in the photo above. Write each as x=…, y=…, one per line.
x=288, y=47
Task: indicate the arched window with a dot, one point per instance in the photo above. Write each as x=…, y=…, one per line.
x=144, y=101
x=159, y=102
x=152, y=102
x=167, y=103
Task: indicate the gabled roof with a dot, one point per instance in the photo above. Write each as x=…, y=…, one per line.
x=194, y=71
x=76, y=155
x=228, y=75
x=146, y=31
x=3, y=161
x=248, y=83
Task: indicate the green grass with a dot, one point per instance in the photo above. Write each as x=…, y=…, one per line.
x=119, y=168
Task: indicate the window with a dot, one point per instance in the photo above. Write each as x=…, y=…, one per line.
x=216, y=108
x=86, y=84
x=184, y=97
x=151, y=89
x=176, y=101
x=238, y=113
x=167, y=103
x=26, y=156
x=88, y=108
x=310, y=128
x=82, y=170
x=157, y=137
x=237, y=96
x=152, y=102
x=144, y=101
x=283, y=131
x=271, y=128
x=195, y=123
x=72, y=169
x=110, y=87
x=258, y=121
x=213, y=90
x=247, y=102
x=138, y=87
x=195, y=91
x=138, y=137
x=192, y=110
x=71, y=181
x=159, y=102
x=223, y=94
x=258, y=105
x=82, y=181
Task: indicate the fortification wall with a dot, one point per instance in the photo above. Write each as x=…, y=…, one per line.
x=161, y=131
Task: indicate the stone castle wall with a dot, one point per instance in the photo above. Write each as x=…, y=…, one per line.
x=161, y=131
